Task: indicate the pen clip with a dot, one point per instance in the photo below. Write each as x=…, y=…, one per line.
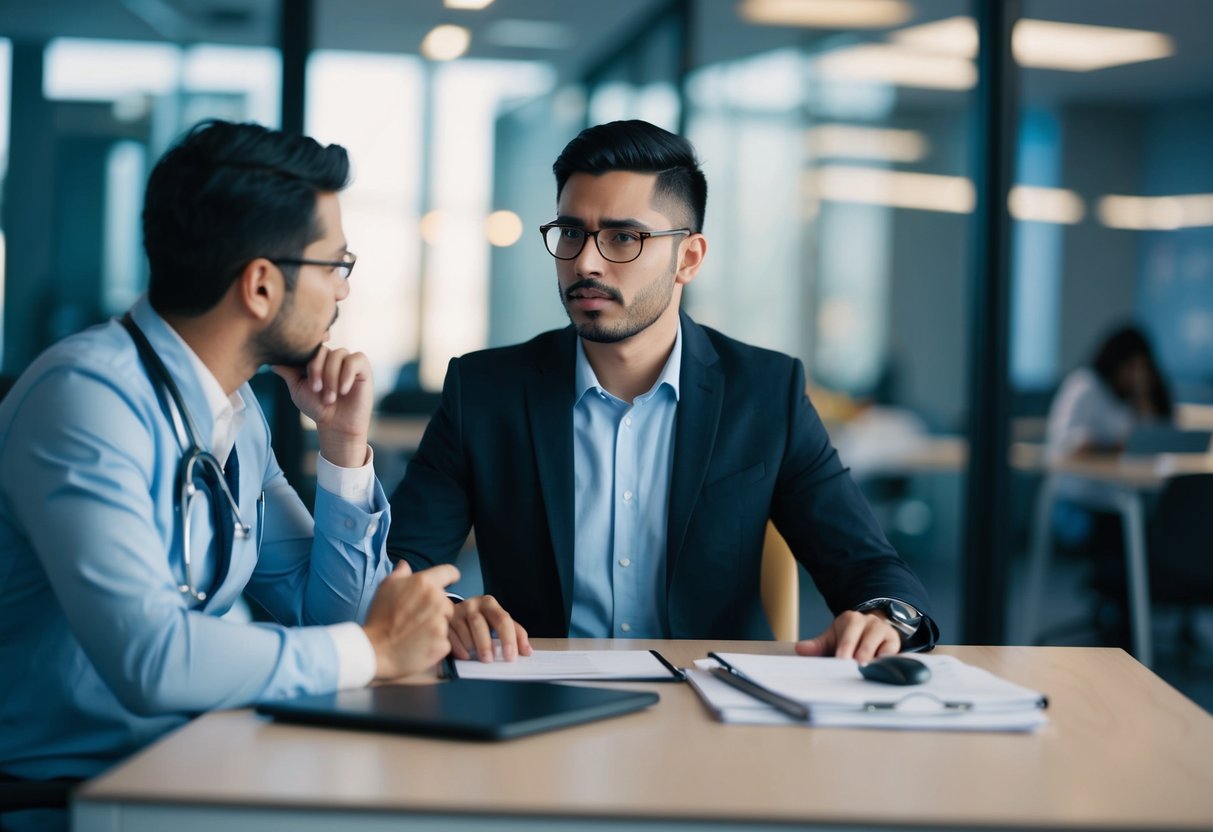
x=733, y=677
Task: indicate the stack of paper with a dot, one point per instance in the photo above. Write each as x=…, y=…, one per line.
x=957, y=697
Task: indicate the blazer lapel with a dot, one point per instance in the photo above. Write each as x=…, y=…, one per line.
x=550, y=410
x=701, y=398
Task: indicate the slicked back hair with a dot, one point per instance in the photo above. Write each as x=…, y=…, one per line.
x=639, y=147
x=224, y=195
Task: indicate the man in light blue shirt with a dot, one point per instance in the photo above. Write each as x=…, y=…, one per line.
x=139, y=497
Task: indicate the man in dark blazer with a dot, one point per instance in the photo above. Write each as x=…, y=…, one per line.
x=619, y=473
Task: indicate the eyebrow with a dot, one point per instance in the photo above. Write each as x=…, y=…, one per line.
x=607, y=222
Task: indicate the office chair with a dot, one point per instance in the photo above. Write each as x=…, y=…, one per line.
x=780, y=586
x=20, y=795
x=1181, y=548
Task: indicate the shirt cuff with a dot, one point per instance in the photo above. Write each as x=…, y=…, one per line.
x=354, y=485
x=355, y=655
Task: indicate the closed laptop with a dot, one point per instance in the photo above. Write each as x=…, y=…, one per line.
x=464, y=709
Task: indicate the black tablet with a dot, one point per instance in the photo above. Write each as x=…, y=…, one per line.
x=464, y=709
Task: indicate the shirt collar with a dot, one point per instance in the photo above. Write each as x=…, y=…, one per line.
x=586, y=380
x=217, y=402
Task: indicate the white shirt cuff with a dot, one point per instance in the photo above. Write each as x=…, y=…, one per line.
x=354, y=485
x=355, y=655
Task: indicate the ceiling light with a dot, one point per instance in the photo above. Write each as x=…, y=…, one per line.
x=1045, y=44
x=850, y=141
x=503, y=228
x=1056, y=205
x=446, y=42
x=1074, y=47
x=467, y=4
x=893, y=64
x=826, y=14
x=1156, y=213
x=896, y=189
x=528, y=34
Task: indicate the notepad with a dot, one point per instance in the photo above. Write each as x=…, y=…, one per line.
x=958, y=697
x=573, y=665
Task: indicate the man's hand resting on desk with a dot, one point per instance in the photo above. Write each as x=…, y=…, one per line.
x=409, y=619
x=854, y=635
x=473, y=625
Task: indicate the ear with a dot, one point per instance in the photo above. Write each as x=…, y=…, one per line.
x=260, y=288
x=690, y=257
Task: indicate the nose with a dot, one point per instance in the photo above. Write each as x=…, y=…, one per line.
x=343, y=288
x=590, y=260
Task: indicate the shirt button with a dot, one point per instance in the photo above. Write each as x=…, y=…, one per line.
x=627, y=628
x=625, y=563
x=627, y=420
x=349, y=523
x=627, y=496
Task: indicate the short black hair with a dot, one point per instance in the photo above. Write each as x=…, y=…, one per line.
x=639, y=147
x=225, y=194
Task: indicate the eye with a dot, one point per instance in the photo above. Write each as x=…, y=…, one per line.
x=623, y=238
x=571, y=234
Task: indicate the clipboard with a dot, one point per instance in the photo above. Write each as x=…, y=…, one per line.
x=466, y=709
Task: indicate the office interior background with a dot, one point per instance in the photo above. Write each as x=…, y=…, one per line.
x=939, y=205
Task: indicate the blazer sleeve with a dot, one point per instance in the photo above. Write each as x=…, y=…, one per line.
x=828, y=523
x=432, y=507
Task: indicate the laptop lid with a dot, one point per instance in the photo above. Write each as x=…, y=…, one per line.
x=1166, y=439
x=463, y=709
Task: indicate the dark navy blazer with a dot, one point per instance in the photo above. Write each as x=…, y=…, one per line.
x=498, y=457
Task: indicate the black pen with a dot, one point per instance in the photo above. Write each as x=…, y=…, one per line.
x=735, y=678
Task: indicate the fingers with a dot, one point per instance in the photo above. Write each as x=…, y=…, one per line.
x=858, y=636
x=442, y=575
x=474, y=623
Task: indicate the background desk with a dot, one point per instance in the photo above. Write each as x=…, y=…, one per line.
x=1123, y=750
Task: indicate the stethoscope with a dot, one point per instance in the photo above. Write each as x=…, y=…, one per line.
x=194, y=462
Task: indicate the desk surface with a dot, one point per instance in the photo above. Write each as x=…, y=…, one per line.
x=1122, y=750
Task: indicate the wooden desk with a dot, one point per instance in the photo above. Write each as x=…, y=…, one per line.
x=1129, y=477
x=1123, y=750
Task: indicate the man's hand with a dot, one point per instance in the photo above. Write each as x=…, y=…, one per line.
x=472, y=629
x=409, y=619
x=336, y=392
x=854, y=635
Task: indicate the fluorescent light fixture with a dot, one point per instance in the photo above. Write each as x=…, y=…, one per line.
x=503, y=228
x=956, y=36
x=1045, y=44
x=1156, y=213
x=853, y=141
x=1054, y=205
x=528, y=34
x=895, y=189
x=893, y=64
x=446, y=42
x=1075, y=47
x=826, y=14
x=467, y=4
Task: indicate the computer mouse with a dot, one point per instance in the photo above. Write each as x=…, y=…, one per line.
x=895, y=670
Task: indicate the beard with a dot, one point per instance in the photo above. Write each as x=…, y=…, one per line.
x=649, y=304
x=276, y=347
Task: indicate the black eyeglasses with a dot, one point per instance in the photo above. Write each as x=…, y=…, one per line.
x=619, y=245
x=345, y=264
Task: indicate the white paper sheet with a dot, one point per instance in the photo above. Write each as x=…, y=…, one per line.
x=549, y=665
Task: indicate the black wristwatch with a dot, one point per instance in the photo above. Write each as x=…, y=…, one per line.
x=902, y=617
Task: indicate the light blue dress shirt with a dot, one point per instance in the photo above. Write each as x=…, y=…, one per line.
x=100, y=653
x=622, y=457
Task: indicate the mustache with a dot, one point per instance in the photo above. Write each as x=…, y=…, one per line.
x=336, y=312
x=598, y=286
